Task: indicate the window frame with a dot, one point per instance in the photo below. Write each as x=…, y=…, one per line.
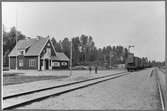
x=21, y=63
x=64, y=64
x=32, y=62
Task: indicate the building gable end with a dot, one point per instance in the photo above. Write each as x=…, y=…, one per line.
x=46, y=46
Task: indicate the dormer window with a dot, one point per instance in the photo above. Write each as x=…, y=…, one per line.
x=21, y=52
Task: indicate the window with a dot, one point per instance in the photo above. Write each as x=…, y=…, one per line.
x=20, y=63
x=32, y=62
x=64, y=63
x=56, y=64
x=21, y=52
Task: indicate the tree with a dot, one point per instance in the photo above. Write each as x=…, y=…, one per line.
x=76, y=50
x=9, y=42
x=66, y=46
x=84, y=42
x=56, y=45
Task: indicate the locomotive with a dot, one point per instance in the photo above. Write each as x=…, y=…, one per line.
x=134, y=63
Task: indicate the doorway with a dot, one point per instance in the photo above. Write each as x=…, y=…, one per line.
x=46, y=64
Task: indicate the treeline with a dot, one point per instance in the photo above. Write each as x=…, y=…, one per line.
x=83, y=48
x=157, y=64
x=84, y=51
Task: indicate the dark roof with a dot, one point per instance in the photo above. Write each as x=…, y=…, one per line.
x=34, y=46
x=60, y=56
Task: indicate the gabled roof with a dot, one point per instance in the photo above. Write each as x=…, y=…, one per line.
x=34, y=46
x=60, y=56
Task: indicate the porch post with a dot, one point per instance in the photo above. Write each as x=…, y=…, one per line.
x=43, y=64
x=38, y=62
x=50, y=64
x=9, y=62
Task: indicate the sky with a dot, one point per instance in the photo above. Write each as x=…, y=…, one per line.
x=141, y=24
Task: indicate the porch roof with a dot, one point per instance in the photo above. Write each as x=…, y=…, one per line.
x=60, y=56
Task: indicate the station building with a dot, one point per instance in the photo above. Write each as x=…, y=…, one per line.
x=38, y=54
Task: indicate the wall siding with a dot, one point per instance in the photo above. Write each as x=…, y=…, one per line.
x=12, y=63
x=46, y=46
x=61, y=66
x=18, y=59
x=25, y=62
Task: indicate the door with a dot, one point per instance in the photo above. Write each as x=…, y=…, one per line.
x=46, y=64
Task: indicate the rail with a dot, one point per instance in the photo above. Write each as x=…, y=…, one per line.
x=160, y=89
x=30, y=97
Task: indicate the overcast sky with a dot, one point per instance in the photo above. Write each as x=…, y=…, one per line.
x=109, y=23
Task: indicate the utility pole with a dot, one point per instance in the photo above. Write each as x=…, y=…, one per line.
x=165, y=63
x=16, y=39
x=110, y=59
x=71, y=59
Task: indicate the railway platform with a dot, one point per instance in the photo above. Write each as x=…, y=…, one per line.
x=11, y=90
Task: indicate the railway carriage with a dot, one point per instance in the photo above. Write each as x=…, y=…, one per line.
x=134, y=63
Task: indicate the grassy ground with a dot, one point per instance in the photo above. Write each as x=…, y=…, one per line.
x=17, y=79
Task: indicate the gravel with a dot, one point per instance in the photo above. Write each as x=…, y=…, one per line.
x=135, y=91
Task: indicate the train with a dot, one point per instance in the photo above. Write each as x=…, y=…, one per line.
x=134, y=63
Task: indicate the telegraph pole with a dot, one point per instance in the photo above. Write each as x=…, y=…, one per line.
x=165, y=60
x=16, y=39
x=110, y=59
x=71, y=59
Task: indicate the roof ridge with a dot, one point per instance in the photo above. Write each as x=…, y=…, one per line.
x=33, y=43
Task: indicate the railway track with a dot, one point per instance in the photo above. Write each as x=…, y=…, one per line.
x=162, y=70
x=21, y=99
x=160, y=89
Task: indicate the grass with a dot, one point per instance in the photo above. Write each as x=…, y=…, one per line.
x=17, y=79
